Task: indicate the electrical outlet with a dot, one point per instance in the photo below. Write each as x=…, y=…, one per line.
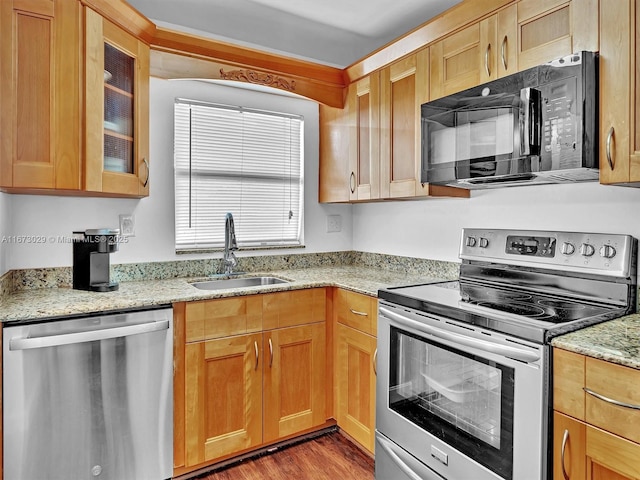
x=127, y=225
x=334, y=223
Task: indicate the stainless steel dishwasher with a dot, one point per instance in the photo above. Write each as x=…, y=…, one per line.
x=89, y=398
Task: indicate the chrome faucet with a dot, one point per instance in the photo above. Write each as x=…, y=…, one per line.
x=229, y=260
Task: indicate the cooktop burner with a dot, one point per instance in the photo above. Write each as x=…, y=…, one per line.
x=535, y=306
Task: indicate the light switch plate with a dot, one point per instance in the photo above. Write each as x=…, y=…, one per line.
x=127, y=225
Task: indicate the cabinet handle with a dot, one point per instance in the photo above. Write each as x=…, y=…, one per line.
x=374, y=361
x=608, y=149
x=486, y=60
x=270, y=353
x=352, y=182
x=502, y=52
x=355, y=312
x=146, y=180
x=255, y=345
x=565, y=437
x=611, y=400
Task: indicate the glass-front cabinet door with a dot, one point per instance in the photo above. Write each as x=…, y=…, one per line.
x=116, y=109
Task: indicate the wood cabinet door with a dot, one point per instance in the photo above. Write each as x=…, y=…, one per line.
x=334, y=155
x=460, y=61
x=569, y=459
x=294, y=380
x=610, y=457
x=40, y=109
x=116, y=109
x=619, y=87
x=223, y=397
x=363, y=104
x=404, y=87
x=355, y=383
x=549, y=29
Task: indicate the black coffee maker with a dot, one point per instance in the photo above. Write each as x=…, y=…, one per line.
x=91, y=250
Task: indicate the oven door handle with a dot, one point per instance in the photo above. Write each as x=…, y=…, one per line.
x=396, y=454
x=485, y=345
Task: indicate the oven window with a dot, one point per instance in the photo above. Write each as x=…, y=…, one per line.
x=463, y=399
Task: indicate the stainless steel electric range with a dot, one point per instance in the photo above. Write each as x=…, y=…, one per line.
x=463, y=389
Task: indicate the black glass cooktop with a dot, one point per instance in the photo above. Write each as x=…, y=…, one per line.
x=528, y=314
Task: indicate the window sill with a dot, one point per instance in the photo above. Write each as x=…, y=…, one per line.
x=194, y=251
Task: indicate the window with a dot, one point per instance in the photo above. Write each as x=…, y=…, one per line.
x=247, y=162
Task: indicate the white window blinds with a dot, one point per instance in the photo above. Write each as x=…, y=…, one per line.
x=238, y=160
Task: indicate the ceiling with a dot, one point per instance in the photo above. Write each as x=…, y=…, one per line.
x=331, y=32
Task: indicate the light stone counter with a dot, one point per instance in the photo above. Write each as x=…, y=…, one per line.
x=616, y=341
x=38, y=303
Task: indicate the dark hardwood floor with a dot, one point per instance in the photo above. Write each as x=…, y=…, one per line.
x=329, y=457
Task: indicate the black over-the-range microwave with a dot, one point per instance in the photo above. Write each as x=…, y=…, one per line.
x=532, y=127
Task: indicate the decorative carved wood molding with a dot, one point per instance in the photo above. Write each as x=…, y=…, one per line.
x=252, y=76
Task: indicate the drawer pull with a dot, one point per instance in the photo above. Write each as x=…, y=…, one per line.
x=610, y=400
x=565, y=437
x=255, y=344
x=375, y=361
x=355, y=312
x=270, y=353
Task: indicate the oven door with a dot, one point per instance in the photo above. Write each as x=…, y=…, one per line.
x=467, y=402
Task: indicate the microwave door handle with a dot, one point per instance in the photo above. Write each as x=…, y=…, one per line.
x=531, y=101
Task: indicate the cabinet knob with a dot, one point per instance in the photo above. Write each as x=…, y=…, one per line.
x=587, y=250
x=607, y=251
x=567, y=248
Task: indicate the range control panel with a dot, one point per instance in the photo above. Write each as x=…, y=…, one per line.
x=604, y=254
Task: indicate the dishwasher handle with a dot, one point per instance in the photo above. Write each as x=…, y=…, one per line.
x=27, y=343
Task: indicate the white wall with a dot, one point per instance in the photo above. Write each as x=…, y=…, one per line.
x=4, y=223
x=431, y=228
x=46, y=216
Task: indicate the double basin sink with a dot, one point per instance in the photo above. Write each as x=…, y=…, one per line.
x=224, y=283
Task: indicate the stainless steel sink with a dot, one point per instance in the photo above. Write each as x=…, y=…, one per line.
x=224, y=283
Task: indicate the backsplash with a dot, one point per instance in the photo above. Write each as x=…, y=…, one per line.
x=61, y=277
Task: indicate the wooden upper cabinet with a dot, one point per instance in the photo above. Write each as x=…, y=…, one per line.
x=116, y=109
x=40, y=105
x=363, y=102
x=404, y=87
x=620, y=92
x=334, y=155
x=56, y=97
x=477, y=54
x=549, y=29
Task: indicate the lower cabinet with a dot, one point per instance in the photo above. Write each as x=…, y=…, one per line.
x=355, y=319
x=356, y=385
x=596, y=419
x=294, y=380
x=223, y=391
x=239, y=386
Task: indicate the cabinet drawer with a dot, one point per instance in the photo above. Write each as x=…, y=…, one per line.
x=607, y=383
x=222, y=317
x=357, y=311
x=296, y=307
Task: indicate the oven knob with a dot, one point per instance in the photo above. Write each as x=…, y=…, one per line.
x=471, y=241
x=607, y=251
x=567, y=248
x=587, y=250
x=484, y=243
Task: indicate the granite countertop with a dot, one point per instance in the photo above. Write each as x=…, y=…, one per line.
x=616, y=341
x=42, y=303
